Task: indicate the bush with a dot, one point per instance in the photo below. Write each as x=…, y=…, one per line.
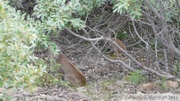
x=136, y=77
x=19, y=68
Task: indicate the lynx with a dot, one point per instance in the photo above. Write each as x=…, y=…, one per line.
x=121, y=44
x=71, y=73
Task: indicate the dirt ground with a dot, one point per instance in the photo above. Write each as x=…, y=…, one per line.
x=106, y=82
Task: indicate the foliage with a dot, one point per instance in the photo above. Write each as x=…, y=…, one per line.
x=52, y=16
x=135, y=77
x=52, y=77
x=176, y=68
x=128, y=6
x=49, y=80
x=171, y=12
x=163, y=85
x=121, y=34
x=57, y=14
x=19, y=68
x=161, y=82
x=16, y=3
x=23, y=5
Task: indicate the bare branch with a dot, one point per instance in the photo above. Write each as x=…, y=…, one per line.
x=166, y=60
x=153, y=9
x=178, y=5
x=167, y=43
x=147, y=44
x=166, y=75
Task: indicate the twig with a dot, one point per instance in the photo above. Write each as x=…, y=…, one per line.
x=153, y=9
x=156, y=54
x=147, y=44
x=166, y=75
x=110, y=60
x=178, y=5
x=165, y=60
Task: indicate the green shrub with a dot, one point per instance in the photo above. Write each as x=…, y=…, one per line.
x=19, y=68
x=136, y=77
x=176, y=68
x=121, y=34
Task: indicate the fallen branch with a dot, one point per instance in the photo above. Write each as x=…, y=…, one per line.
x=166, y=75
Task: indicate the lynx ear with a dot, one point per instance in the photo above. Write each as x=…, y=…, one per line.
x=71, y=73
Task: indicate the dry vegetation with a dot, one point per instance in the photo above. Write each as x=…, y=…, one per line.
x=114, y=54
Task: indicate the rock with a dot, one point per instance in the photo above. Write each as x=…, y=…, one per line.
x=168, y=93
x=1, y=90
x=147, y=86
x=49, y=98
x=84, y=99
x=177, y=91
x=56, y=98
x=159, y=89
x=43, y=96
x=9, y=91
x=100, y=70
x=76, y=95
x=172, y=84
x=120, y=83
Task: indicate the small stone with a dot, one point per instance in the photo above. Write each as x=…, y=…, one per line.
x=61, y=95
x=56, y=98
x=42, y=96
x=10, y=91
x=177, y=91
x=1, y=90
x=168, y=93
x=76, y=95
x=120, y=83
x=172, y=84
x=50, y=98
x=147, y=86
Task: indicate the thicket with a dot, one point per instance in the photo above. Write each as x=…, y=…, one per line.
x=150, y=26
x=19, y=68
